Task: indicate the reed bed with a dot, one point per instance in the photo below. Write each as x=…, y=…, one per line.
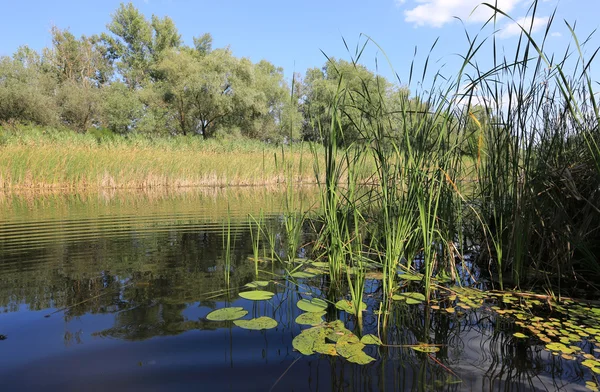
x=498, y=165
x=38, y=159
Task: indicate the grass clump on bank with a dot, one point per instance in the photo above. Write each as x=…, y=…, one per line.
x=37, y=158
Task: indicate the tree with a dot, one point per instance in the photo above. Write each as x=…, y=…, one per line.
x=26, y=89
x=139, y=44
x=122, y=110
x=207, y=92
x=359, y=93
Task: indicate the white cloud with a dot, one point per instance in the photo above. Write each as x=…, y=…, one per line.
x=514, y=28
x=556, y=34
x=436, y=13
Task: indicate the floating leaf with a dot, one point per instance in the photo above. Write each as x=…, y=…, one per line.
x=306, y=340
x=360, y=358
x=320, y=264
x=426, y=348
x=450, y=310
x=348, y=306
x=310, y=318
x=411, y=277
x=257, y=295
x=520, y=335
x=302, y=275
x=257, y=323
x=313, y=305
x=227, y=314
x=371, y=339
x=257, y=283
x=325, y=348
x=349, y=345
x=410, y=298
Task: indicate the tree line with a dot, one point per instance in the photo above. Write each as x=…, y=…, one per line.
x=139, y=77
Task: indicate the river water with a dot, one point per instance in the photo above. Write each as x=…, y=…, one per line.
x=110, y=291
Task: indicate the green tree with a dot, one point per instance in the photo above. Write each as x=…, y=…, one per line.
x=139, y=44
x=26, y=89
x=358, y=91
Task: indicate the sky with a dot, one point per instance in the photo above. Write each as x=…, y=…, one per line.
x=294, y=35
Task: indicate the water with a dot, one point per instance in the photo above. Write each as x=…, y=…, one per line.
x=110, y=292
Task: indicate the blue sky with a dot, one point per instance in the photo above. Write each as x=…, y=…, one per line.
x=292, y=34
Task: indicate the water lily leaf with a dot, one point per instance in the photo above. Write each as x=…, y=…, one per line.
x=227, y=314
x=450, y=310
x=257, y=295
x=302, y=275
x=520, y=335
x=310, y=318
x=410, y=298
x=360, y=358
x=257, y=283
x=335, y=330
x=425, y=348
x=320, y=264
x=371, y=339
x=257, y=323
x=325, y=348
x=313, y=305
x=307, y=339
x=411, y=277
x=349, y=345
x=348, y=306
x=591, y=363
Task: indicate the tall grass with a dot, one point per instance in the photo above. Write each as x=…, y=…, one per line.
x=45, y=158
x=501, y=162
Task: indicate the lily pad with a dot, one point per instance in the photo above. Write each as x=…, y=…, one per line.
x=360, y=358
x=426, y=348
x=227, y=314
x=257, y=295
x=307, y=339
x=348, y=306
x=371, y=339
x=313, y=305
x=520, y=335
x=411, y=277
x=257, y=323
x=310, y=318
x=256, y=284
x=349, y=345
x=410, y=298
x=302, y=275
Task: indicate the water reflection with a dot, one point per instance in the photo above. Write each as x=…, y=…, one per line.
x=111, y=291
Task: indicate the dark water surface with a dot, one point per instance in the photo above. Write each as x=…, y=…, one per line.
x=110, y=292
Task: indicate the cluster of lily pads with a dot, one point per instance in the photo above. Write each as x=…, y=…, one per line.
x=236, y=313
x=567, y=326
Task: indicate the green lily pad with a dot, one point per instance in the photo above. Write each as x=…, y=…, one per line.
x=325, y=348
x=411, y=277
x=257, y=323
x=307, y=339
x=310, y=318
x=302, y=275
x=520, y=335
x=410, y=298
x=256, y=284
x=257, y=295
x=349, y=345
x=360, y=358
x=348, y=306
x=314, y=305
x=425, y=348
x=227, y=314
x=371, y=339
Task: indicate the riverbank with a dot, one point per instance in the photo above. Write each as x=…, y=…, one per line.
x=36, y=159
